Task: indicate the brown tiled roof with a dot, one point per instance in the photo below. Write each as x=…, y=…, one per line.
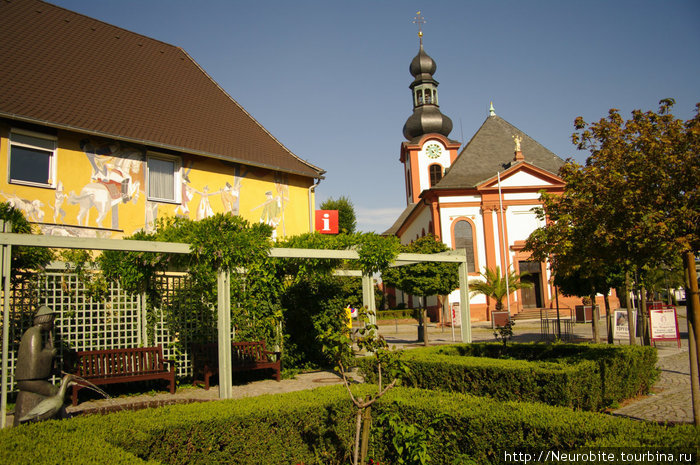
x=66, y=70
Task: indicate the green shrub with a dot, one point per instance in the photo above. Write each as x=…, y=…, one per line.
x=316, y=427
x=581, y=376
x=395, y=314
x=480, y=429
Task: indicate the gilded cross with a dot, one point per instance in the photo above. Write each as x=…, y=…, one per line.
x=419, y=20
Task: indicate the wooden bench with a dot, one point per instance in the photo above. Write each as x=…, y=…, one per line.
x=245, y=356
x=123, y=366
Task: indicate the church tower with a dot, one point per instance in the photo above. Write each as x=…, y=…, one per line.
x=428, y=152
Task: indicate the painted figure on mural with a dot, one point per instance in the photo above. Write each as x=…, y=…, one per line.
x=186, y=194
x=230, y=196
x=59, y=198
x=270, y=211
x=35, y=363
x=282, y=188
x=151, y=216
x=273, y=207
x=204, y=209
x=32, y=209
x=113, y=181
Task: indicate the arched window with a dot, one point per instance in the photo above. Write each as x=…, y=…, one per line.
x=435, y=174
x=464, y=239
x=419, y=97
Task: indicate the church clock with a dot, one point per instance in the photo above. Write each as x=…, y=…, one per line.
x=433, y=151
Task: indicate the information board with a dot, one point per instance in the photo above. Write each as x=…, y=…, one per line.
x=663, y=325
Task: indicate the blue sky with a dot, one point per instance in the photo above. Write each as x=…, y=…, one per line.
x=329, y=78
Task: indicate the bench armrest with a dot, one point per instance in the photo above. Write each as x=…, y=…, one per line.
x=276, y=354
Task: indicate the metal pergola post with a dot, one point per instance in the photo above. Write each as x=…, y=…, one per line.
x=6, y=265
x=465, y=312
x=368, y=299
x=224, y=332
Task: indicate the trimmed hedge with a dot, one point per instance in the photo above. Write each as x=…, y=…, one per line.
x=317, y=427
x=469, y=428
x=403, y=314
x=580, y=376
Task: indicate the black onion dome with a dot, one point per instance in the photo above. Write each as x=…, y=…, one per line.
x=426, y=117
x=422, y=66
x=427, y=120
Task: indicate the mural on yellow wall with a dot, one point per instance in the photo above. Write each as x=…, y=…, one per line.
x=101, y=191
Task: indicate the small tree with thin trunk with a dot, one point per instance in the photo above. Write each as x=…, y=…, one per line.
x=426, y=278
x=339, y=347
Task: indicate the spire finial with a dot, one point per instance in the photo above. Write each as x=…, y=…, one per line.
x=419, y=20
x=492, y=111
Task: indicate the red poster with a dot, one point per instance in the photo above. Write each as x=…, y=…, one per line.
x=327, y=221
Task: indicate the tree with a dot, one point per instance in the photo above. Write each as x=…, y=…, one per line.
x=426, y=278
x=347, y=221
x=338, y=345
x=641, y=180
x=495, y=285
x=576, y=256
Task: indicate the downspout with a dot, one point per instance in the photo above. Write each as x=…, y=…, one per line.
x=312, y=197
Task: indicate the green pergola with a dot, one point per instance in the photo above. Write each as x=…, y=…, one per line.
x=9, y=239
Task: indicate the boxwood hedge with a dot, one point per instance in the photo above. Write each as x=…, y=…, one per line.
x=316, y=427
x=581, y=376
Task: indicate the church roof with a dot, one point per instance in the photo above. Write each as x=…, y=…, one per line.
x=394, y=229
x=492, y=150
x=68, y=71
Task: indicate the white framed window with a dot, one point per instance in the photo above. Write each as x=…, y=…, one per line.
x=32, y=158
x=163, y=172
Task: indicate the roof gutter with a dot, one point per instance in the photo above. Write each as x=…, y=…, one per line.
x=66, y=127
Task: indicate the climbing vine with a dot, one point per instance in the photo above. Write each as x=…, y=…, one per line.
x=269, y=296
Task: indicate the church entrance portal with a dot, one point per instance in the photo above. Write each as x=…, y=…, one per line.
x=532, y=297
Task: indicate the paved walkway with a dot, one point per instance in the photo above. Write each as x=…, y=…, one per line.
x=670, y=402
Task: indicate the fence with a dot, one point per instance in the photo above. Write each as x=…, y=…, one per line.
x=117, y=321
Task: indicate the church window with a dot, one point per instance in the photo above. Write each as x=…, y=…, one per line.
x=428, y=96
x=435, y=174
x=464, y=239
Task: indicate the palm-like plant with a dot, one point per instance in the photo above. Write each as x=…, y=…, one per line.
x=494, y=285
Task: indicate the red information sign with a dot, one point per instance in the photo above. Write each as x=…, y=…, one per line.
x=327, y=221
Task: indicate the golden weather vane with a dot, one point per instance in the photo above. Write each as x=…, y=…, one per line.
x=419, y=20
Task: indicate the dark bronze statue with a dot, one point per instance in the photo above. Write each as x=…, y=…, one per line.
x=35, y=364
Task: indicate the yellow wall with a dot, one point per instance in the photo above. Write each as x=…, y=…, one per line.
x=81, y=197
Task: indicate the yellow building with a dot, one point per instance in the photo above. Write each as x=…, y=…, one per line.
x=102, y=131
